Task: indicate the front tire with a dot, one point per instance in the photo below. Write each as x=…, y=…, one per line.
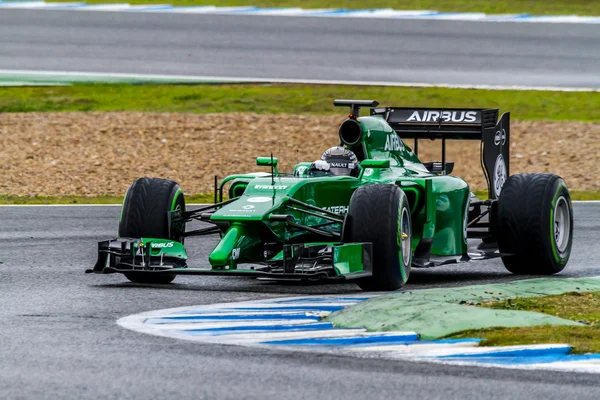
x=144, y=215
x=535, y=224
x=380, y=214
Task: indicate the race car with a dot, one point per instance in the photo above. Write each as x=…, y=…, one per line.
x=392, y=213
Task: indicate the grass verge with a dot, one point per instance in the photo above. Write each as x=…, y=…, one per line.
x=307, y=99
x=538, y=7
x=190, y=199
x=581, y=307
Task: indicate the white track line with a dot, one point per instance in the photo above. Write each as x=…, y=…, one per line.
x=321, y=13
x=77, y=76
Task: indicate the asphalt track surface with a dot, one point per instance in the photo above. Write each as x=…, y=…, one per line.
x=407, y=51
x=59, y=338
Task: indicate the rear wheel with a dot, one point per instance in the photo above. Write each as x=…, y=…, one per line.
x=535, y=224
x=380, y=214
x=144, y=215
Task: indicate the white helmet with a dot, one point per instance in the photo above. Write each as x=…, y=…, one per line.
x=341, y=161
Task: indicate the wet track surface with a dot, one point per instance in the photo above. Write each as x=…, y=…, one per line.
x=59, y=337
x=346, y=49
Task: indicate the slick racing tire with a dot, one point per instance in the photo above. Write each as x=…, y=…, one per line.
x=144, y=215
x=380, y=214
x=535, y=224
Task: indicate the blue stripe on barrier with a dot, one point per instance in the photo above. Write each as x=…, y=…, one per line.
x=323, y=12
x=447, y=14
x=76, y=5
x=450, y=341
x=507, y=17
x=540, y=359
x=426, y=14
x=242, y=10
x=389, y=339
x=525, y=352
x=293, y=308
x=259, y=329
x=283, y=308
x=348, y=341
x=323, y=299
x=263, y=317
x=346, y=11
x=259, y=9
x=208, y=8
x=149, y=8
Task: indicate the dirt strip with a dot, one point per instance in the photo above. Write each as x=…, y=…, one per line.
x=55, y=154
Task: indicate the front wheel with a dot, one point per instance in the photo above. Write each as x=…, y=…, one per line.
x=535, y=224
x=380, y=214
x=144, y=215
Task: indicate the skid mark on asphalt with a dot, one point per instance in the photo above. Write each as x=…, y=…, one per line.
x=297, y=324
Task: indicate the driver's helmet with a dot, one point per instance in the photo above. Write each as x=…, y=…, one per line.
x=337, y=161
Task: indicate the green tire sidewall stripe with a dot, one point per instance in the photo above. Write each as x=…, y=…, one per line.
x=399, y=239
x=178, y=193
x=123, y=205
x=174, y=202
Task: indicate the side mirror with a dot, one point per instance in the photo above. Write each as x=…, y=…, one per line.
x=371, y=163
x=266, y=161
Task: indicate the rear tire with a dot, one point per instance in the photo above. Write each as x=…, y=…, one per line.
x=380, y=214
x=535, y=224
x=144, y=215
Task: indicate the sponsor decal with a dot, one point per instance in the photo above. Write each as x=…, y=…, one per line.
x=248, y=207
x=368, y=172
x=444, y=116
x=393, y=143
x=161, y=245
x=499, y=175
x=341, y=165
x=337, y=209
x=259, y=199
x=269, y=187
x=235, y=253
x=500, y=138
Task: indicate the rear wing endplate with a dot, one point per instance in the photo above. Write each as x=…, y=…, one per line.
x=458, y=124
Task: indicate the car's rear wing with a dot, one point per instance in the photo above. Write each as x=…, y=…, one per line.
x=458, y=124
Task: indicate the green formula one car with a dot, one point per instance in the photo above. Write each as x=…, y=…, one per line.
x=368, y=211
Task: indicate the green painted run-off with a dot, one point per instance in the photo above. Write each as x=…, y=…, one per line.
x=435, y=313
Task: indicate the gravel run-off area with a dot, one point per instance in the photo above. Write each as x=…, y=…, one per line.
x=56, y=154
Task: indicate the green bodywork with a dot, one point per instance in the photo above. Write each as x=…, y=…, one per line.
x=293, y=224
x=438, y=202
x=164, y=247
